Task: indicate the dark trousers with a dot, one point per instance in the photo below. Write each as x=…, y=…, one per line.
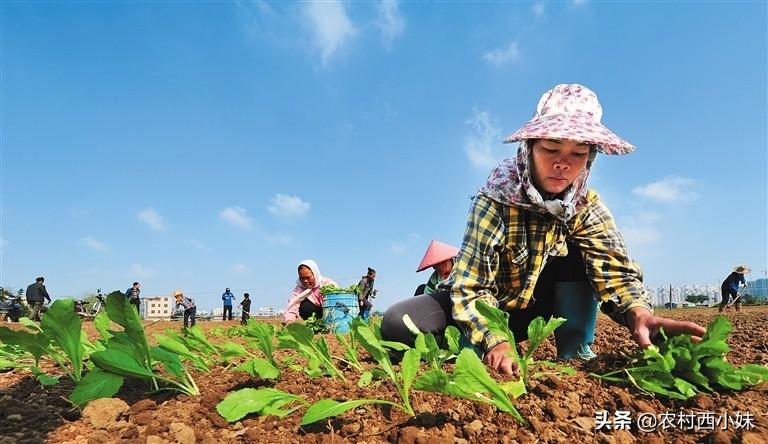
x=308, y=308
x=227, y=313
x=432, y=313
x=189, y=317
x=727, y=294
x=244, y=318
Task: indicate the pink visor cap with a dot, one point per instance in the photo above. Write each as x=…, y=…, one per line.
x=571, y=112
x=437, y=252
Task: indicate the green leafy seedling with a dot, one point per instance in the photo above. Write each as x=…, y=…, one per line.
x=264, y=401
x=679, y=368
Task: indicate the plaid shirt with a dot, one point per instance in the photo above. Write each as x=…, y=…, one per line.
x=505, y=249
x=185, y=303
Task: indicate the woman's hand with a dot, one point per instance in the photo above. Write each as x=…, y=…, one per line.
x=645, y=326
x=498, y=359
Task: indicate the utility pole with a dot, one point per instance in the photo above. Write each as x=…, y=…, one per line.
x=670, y=296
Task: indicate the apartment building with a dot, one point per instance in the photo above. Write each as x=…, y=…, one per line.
x=153, y=308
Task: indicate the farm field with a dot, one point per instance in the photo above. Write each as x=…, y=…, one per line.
x=558, y=408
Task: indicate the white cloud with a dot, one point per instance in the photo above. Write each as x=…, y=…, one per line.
x=671, y=189
x=641, y=229
x=637, y=235
x=329, y=25
x=479, y=146
x=288, y=206
x=3, y=244
x=256, y=14
x=150, y=217
x=141, y=271
x=237, y=216
x=197, y=244
x=240, y=269
x=579, y=2
x=538, y=8
x=501, y=56
x=279, y=239
x=389, y=21
x=93, y=244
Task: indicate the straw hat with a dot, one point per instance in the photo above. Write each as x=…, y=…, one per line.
x=436, y=253
x=571, y=112
x=177, y=293
x=743, y=269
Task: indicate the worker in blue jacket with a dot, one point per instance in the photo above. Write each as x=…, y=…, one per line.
x=227, y=297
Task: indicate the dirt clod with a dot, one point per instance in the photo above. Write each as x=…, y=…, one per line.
x=103, y=412
x=183, y=433
x=473, y=427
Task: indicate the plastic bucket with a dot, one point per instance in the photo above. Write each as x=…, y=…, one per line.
x=339, y=310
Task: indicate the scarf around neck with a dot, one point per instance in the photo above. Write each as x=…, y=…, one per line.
x=510, y=183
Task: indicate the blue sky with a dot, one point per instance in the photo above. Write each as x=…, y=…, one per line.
x=204, y=145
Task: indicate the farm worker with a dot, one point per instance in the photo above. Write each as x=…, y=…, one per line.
x=306, y=298
x=227, y=297
x=185, y=303
x=366, y=293
x=539, y=243
x=132, y=294
x=245, y=308
x=731, y=284
x=36, y=294
x=440, y=257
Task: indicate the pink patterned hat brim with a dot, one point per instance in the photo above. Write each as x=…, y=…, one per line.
x=580, y=128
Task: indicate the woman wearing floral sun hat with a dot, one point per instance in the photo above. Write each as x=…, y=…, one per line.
x=539, y=243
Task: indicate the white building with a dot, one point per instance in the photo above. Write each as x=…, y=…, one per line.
x=264, y=312
x=154, y=308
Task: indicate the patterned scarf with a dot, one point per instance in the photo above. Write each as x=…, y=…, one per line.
x=510, y=183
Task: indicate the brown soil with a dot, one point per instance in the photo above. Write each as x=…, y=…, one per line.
x=558, y=408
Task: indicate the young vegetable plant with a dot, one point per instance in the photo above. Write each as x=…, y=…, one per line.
x=127, y=354
x=350, y=352
x=333, y=289
x=60, y=328
x=679, y=368
x=469, y=380
x=427, y=344
x=300, y=337
x=264, y=334
x=409, y=367
x=316, y=325
x=264, y=402
x=538, y=330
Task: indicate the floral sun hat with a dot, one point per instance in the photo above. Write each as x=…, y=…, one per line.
x=572, y=112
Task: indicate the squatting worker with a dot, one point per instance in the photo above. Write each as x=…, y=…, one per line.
x=306, y=299
x=539, y=243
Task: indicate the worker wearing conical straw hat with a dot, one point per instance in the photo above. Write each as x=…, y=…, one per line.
x=440, y=257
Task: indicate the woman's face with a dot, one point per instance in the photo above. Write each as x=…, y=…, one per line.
x=444, y=267
x=306, y=277
x=557, y=163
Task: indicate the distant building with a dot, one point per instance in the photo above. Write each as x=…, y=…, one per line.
x=660, y=296
x=154, y=308
x=758, y=288
x=264, y=312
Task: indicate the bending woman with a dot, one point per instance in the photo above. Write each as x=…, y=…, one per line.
x=306, y=298
x=539, y=243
